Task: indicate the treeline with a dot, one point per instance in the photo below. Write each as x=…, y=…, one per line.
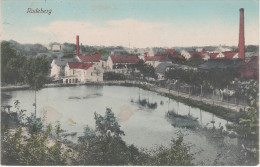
x=16, y=68
x=100, y=146
x=194, y=61
x=27, y=49
x=215, y=78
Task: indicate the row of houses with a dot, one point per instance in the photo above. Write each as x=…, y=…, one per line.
x=84, y=68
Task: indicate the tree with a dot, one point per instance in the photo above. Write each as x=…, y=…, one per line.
x=36, y=73
x=177, y=155
x=22, y=150
x=108, y=125
x=249, y=123
x=68, y=55
x=12, y=64
x=146, y=69
x=195, y=60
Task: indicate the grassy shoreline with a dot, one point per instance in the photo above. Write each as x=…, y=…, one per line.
x=219, y=111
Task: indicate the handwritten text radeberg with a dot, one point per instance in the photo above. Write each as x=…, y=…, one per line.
x=37, y=10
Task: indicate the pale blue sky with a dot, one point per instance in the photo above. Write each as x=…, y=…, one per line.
x=168, y=22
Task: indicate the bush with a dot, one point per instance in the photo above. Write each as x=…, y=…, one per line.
x=113, y=76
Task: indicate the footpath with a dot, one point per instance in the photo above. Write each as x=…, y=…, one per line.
x=152, y=87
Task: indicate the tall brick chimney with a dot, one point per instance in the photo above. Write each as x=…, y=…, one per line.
x=241, y=42
x=77, y=45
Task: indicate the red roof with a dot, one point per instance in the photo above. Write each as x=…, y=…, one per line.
x=178, y=56
x=213, y=55
x=80, y=65
x=250, y=70
x=124, y=59
x=170, y=50
x=229, y=54
x=96, y=57
x=157, y=58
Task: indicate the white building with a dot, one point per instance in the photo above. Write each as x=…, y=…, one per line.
x=121, y=62
x=58, y=67
x=56, y=48
x=185, y=54
x=79, y=72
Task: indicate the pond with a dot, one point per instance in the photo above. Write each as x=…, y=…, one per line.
x=145, y=127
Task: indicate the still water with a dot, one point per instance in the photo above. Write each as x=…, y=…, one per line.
x=144, y=127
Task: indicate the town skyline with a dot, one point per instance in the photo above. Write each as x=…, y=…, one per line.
x=131, y=23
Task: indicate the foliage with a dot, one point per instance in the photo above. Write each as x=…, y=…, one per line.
x=18, y=149
x=216, y=78
x=113, y=76
x=176, y=155
x=146, y=69
x=34, y=124
x=252, y=48
x=177, y=60
x=108, y=125
x=103, y=146
x=36, y=72
x=27, y=49
x=248, y=126
x=68, y=55
x=195, y=60
x=91, y=50
x=11, y=64
x=16, y=68
x=109, y=149
x=106, y=151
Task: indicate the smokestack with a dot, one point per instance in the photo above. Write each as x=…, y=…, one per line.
x=77, y=45
x=241, y=42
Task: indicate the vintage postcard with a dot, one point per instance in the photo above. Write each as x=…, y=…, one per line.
x=132, y=82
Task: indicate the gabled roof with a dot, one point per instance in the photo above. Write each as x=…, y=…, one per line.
x=96, y=57
x=124, y=59
x=80, y=65
x=213, y=55
x=227, y=55
x=250, y=69
x=157, y=58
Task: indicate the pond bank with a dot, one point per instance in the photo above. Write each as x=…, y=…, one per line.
x=222, y=109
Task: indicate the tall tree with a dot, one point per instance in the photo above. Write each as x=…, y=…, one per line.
x=36, y=73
